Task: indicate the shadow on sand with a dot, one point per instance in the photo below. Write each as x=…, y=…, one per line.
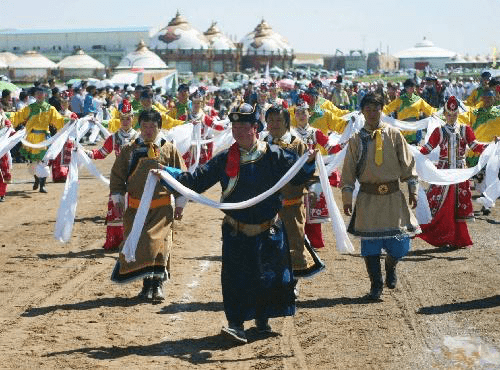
x=85, y=305
x=196, y=351
x=476, y=304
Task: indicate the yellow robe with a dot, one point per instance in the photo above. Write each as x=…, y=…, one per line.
x=37, y=117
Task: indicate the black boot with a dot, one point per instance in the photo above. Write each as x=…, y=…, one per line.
x=36, y=183
x=157, y=287
x=374, y=272
x=147, y=290
x=391, y=278
x=42, y=184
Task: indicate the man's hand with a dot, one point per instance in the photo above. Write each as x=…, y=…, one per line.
x=312, y=155
x=348, y=209
x=412, y=199
x=178, y=213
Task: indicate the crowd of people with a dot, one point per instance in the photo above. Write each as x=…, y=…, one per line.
x=269, y=245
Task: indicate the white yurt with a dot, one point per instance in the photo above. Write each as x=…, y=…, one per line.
x=31, y=66
x=81, y=65
x=179, y=34
x=217, y=40
x=3, y=68
x=263, y=40
x=424, y=54
x=141, y=59
x=8, y=57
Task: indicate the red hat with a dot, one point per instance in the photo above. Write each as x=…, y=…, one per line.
x=451, y=105
x=307, y=99
x=125, y=108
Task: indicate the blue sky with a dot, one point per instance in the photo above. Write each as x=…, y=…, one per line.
x=319, y=26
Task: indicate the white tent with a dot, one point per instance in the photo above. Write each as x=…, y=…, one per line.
x=31, y=66
x=81, y=65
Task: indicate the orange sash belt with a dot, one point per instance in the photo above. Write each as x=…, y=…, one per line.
x=291, y=201
x=155, y=203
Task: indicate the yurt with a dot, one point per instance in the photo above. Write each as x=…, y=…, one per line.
x=31, y=66
x=80, y=65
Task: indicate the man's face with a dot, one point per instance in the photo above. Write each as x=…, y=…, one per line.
x=485, y=81
x=276, y=125
x=147, y=103
x=244, y=133
x=39, y=96
x=149, y=131
x=451, y=117
x=137, y=95
x=126, y=122
x=196, y=105
x=183, y=96
x=302, y=117
x=261, y=97
x=372, y=113
x=410, y=90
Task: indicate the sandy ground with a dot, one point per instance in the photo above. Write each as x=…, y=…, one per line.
x=60, y=310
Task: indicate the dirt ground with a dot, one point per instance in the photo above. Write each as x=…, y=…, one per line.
x=60, y=310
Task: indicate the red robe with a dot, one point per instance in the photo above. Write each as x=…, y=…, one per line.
x=206, y=150
x=450, y=205
x=60, y=165
x=5, y=167
x=312, y=137
x=114, y=229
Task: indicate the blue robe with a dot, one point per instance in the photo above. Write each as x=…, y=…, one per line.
x=257, y=278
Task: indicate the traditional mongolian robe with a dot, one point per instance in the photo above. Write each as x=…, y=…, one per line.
x=257, y=278
x=323, y=119
x=60, y=165
x=5, y=160
x=293, y=213
x=485, y=123
x=450, y=205
x=37, y=118
x=381, y=210
x=128, y=177
x=316, y=139
x=409, y=108
x=114, y=228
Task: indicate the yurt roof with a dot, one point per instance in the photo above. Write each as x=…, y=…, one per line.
x=32, y=59
x=80, y=60
x=264, y=39
x=142, y=57
x=217, y=39
x=425, y=49
x=179, y=34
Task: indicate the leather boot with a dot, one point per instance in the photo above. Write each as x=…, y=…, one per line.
x=147, y=289
x=157, y=287
x=391, y=278
x=42, y=184
x=36, y=183
x=374, y=272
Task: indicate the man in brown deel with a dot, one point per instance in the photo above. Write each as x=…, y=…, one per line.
x=305, y=262
x=128, y=176
x=380, y=159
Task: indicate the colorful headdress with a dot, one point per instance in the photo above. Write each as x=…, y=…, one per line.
x=451, y=105
x=125, y=108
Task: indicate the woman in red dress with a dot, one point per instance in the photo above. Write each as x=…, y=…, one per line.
x=451, y=205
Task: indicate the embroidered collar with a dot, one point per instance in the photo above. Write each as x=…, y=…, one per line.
x=254, y=153
x=286, y=138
